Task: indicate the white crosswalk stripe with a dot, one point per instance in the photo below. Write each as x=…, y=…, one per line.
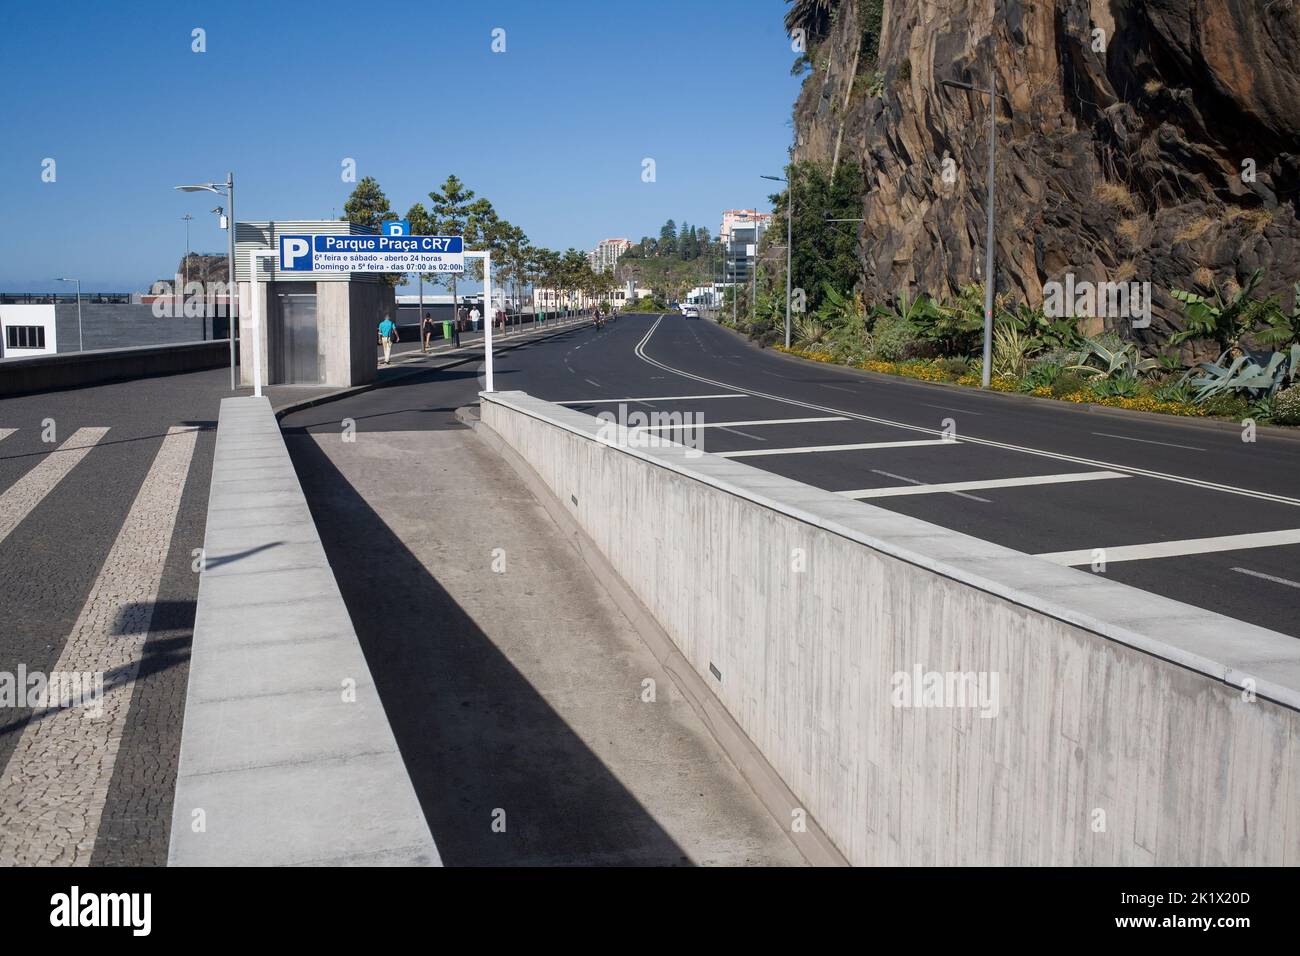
x=27, y=492
x=55, y=785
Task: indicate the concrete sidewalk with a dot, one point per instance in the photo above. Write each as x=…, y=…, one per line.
x=536, y=726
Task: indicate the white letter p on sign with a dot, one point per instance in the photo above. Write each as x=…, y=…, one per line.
x=291, y=250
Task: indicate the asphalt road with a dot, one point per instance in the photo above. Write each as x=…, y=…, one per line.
x=1135, y=487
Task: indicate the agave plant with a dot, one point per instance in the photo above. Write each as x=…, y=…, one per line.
x=1245, y=374
x=1122, y=360
x=809, y=332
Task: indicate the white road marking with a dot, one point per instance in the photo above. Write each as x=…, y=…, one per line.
x=818, y=449
x=590, y=382
x=1176, y=549
x=28, y=491
x=54, y=787
x=737, y=431
x=755, y=421
x=6, y=432
x=913, y=481
x=949, y=408
x=1268, y=577
x=987, y=483
x=1147, y=441
x=639, y=351
x=653, y=398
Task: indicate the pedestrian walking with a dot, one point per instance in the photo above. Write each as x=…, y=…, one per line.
x=387, y=336
x=426, y=328
x=474, y=316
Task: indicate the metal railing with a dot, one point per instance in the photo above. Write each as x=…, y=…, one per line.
x=63, y=298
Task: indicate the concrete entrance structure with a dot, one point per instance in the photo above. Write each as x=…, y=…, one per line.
x=317, y=328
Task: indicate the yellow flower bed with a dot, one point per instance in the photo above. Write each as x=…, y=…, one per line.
x=1143, y=403
x=930, y=372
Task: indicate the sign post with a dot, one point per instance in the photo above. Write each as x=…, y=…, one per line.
x=256, y=316
x=486, y=256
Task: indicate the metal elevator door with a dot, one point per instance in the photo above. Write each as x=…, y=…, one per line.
x=298, y=349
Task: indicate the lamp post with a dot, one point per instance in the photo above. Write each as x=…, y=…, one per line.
x=226, y=189
x=992, y=94
x=81, y=344
x=789, y=246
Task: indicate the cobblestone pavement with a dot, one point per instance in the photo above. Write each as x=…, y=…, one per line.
x=97, y=527
x=55, y=785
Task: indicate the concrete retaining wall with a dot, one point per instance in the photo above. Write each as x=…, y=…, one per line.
x=113, y=325
x=286, y=754
x=41, y=373
x=1120, y=733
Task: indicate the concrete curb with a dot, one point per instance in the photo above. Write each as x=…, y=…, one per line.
x=1124, y=414
x=767, y=784
x=511, y=344
x=286, y=757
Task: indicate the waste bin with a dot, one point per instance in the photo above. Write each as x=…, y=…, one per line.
x=446, y=330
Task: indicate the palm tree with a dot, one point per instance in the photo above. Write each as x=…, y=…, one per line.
x=811, y=16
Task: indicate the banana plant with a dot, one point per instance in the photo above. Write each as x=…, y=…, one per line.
x=1229, y=320
x=1282, y=329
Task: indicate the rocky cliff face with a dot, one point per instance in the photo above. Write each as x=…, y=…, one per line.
x=1137, y=140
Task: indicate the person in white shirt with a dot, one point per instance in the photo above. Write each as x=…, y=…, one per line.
x=474, y=316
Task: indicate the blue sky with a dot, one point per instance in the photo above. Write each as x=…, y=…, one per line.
x=553, y=131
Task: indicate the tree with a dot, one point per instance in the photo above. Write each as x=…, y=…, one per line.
x=368, y=206
x=422, y=224
x=449, y=215
x=573, y=265
x=545, y=267
x=668, y=238
x=825, y=253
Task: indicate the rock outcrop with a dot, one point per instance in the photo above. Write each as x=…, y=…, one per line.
x=1137, y=140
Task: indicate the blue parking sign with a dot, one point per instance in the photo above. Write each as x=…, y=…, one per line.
x=397, y=227
x=295, y=254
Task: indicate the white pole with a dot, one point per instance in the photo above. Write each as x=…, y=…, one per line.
x=256, y=317
x=81, y=342
x=487, y=322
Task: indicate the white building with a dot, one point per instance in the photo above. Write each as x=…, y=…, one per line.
x=607, y=253
x=742, y=230
x=551, y=300
x=746, y=219
x=27, y=330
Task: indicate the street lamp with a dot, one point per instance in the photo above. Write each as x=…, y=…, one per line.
x=81, y=345
x=789, y=246
x=988, y=242
x=226, y=189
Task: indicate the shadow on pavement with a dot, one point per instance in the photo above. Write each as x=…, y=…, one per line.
x=476, y=737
